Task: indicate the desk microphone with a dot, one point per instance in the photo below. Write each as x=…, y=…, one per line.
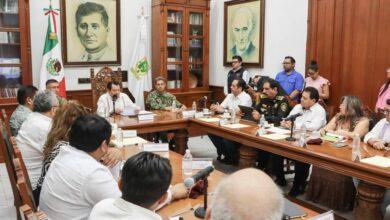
x=190, y=181
x=293, y=117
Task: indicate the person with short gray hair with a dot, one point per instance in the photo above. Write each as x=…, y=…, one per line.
x=248, y=194
x=33, y=133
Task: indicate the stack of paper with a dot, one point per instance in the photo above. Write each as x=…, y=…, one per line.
x=130, y=141
x=274, y=136
x=278, y=130
x=235, y=126
x=377, y=161
x=210, y=119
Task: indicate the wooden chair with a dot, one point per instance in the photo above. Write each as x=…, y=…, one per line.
x=9, y=155
x=146, y=93
x=28, y=214
x=100, y=80
x=24, y=185
x=6, y=120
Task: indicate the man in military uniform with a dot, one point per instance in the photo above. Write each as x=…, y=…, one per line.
x=274, y=106
x=160, y=99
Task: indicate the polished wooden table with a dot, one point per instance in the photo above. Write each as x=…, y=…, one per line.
x=184, y=207
x=370, y=190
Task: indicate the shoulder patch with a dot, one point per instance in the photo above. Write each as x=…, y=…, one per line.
x=284, y=106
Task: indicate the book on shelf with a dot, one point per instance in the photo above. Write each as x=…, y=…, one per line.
x=174, y=18
x=196, y=19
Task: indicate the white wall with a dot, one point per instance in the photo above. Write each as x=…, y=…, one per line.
x=129, y=27
x=285, y=34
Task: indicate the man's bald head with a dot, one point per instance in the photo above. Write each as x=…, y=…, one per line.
x=247, y=194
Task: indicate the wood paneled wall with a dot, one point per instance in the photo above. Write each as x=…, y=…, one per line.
x=350, y=39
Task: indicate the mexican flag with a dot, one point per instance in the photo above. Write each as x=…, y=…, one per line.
x=52, y=67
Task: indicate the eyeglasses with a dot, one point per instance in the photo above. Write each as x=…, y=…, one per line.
x=285, y=63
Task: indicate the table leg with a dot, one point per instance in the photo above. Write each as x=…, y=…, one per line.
x=248, y=156
x=181, y=138
x=368, y=201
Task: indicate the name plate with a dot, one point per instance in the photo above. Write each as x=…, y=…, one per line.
x=129, y=133
x=199, y=115
x=189, y=114
x=153, y=147
x=201, y=163
x=146, y=117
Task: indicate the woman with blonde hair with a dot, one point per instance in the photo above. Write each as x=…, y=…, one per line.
x=328, y=188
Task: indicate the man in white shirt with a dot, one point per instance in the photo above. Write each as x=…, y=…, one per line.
x=76, y=180
x=238, y=97
x=246, y=194
x=313, y=118
x=114, y=97
x=33, y=133
x=379, y=136
x=141, y=195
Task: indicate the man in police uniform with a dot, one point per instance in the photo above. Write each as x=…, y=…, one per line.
x=275, y=106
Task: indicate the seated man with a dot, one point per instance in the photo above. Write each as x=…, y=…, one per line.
x=76, y=180
x=54, y=86
x=33, y=133
x=313, y=118
x=160, y=99
x=246, y=194
x=25, y=99
x=141, y=195
x=238, y=97
x=274, y=106
x=114, y=97
x=379, y=138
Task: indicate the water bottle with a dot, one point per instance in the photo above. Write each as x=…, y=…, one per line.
x=194, y=106
x=174, y=106
x=119, y=137
x=187, y=163
x=302, y=136
x=233, y=115
x=356, y=154
x=262, y=121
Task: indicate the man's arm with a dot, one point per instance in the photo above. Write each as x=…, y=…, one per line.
x=281, y=113
x=299, y=81
x=100, y=185
x=153, y=104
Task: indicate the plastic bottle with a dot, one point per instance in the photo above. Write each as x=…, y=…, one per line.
x=187, y=163
x=174, y=106
x=194, y=106
x=262, y=121
x=233, y=116
x=356, y=154
x=302, y=136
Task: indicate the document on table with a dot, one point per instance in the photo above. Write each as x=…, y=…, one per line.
x=210, y=119
x=131, y=141
x=377, y=161
x=235, y=126
x=277, y=130
x=274, y=136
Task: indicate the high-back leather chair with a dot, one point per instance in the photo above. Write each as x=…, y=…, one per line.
x=99, y=82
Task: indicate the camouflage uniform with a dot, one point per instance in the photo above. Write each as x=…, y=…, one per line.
x=157, y=101
x=17, y=118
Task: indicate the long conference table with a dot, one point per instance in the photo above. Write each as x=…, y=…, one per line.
x=370, y=190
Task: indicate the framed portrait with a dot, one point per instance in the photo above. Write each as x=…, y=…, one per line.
x=90, y=32
x=244, y=31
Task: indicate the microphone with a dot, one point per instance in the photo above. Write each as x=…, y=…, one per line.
x=293, y=117
x=190, y=181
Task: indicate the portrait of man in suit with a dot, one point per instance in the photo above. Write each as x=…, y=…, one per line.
x=91, y=34
x=243, y=24
x=244, y=31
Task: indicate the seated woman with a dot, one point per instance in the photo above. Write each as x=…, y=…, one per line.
x=58, y=136
x=328, y=188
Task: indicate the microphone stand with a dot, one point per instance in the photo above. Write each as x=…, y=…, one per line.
x=291, y=138
x=201, y=211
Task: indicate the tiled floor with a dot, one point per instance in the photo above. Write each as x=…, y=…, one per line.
x=201, y=147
